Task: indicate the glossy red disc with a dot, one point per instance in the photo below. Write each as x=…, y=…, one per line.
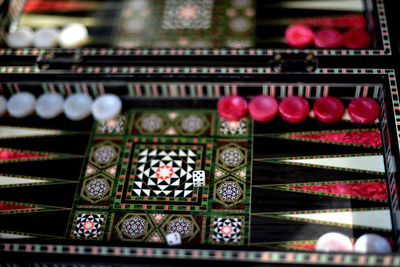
x=328, y=38
x=356, y=39
x=294, y=109
x=299, y=36
x=263, y=108
x=328, y=109
x=363, y=110
x=232, y=108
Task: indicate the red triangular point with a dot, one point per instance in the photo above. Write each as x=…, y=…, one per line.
x=365, y=190
x=367, y=138
x=9, y=155
x=307, y=246
x=4, y=207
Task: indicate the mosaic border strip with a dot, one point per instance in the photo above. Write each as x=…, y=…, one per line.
x=193, y=90
x=214, y=255
x=183, y=70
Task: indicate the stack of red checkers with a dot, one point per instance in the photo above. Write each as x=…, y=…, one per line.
x=294, y=109
x=328, y=109
x=299, y=36
x=328, y=38
x=363, y=110
x=232, y=108
x=263, y=108
x=356, y=39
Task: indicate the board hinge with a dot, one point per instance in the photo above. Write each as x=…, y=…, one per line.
x=301, y=62
x=59, y=61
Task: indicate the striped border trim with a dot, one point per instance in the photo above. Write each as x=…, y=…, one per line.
x=214, y=255
x=194, y=90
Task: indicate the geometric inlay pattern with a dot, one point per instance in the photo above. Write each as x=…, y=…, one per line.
x=173, y=123
x=133, y=227
x=231, y=156
x=190, y=14
x=180, y=226
x=192, y=124
x=151, y=123
x=233, y=128
x=227, y=230
x=161, y=172
x=229, y=188
x=89, y=226
x=97, y=188
x=185, y=225
x=137, y=181
x=112, y=126
x=229, y=192
x=104, y=154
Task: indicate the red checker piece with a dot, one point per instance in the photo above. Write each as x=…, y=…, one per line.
x=299, y=36
x=263, y=108
x=232, y=108
x=363, y=110
x=328, y=38
x=294, y=109
x=356, y=39
x=328, y=109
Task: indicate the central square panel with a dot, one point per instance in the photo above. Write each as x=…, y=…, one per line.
x=157, y=173
x=137, y=184
x=164, y=172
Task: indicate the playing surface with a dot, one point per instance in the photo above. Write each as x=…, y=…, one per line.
x=268, y=185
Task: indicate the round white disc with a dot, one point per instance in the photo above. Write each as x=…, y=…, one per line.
x=49, y=105
x=106, y=107
x=73, y=36
x=3, y=105
x=21, y=104
x=21, y=38
x=334, y=242
x=372, y=243
x=46, y=37
x=78, y=106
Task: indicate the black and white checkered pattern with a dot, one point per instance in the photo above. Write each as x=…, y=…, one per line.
x=232, y=224
x=95, y=221
x=180, y=184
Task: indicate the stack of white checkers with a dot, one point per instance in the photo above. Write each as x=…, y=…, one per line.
x=50, y=105
x=74, y=35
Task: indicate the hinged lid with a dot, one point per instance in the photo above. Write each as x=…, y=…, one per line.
x=172, y=32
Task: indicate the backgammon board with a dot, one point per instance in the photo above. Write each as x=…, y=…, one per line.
x=79, y=192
